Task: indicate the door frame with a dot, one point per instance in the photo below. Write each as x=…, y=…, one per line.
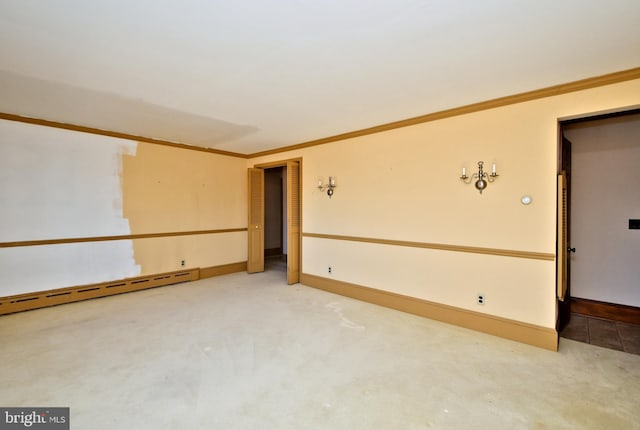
x=285, y=163
x=564, y=164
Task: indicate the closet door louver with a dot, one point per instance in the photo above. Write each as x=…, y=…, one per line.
x=255, y=257
x=561, y=263
x=293, y=222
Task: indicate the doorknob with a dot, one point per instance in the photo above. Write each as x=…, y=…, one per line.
x=571, y=250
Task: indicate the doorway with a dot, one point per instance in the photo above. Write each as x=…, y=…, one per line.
x=274, y=210
x=275, y=221
x=599, y=156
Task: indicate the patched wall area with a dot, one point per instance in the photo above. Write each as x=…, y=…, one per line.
x=59, y=184
x=80, y=208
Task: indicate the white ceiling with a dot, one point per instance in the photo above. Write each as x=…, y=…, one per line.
x=248, y=76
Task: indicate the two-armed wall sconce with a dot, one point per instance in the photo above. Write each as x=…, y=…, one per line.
x=329, y=187
x=482, y=178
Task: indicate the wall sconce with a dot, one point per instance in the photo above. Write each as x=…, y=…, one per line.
x=482, y=177
x=329, y=187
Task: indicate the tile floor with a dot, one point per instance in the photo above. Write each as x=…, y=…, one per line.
x=605, y=333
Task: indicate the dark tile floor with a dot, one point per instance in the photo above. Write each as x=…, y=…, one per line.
x=276, y=262
x=606, y=333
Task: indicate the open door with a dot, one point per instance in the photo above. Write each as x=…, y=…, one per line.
x=293, y=222
x=255, y=257
x=563, y=262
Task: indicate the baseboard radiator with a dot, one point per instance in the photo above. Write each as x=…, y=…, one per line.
x=41, y=299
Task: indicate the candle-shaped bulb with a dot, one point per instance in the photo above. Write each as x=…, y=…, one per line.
x=493, y=168
x=319, y=183
x=464, y=171
x=332, y=181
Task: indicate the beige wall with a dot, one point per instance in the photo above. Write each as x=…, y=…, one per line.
x=398, y=185
x=172, y=189
x=167, y=189
x=403, y=185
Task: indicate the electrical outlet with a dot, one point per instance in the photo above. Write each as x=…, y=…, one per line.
x=481, y=299
x=182, y=263
x=329, y=270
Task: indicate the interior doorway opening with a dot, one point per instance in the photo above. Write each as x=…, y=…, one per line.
x=277, y=203
x=599, y=157
x=275, y=222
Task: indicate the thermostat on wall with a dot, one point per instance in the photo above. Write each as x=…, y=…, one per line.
x=525, y=200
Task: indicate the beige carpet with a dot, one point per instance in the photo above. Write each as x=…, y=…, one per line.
x=249, y=352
